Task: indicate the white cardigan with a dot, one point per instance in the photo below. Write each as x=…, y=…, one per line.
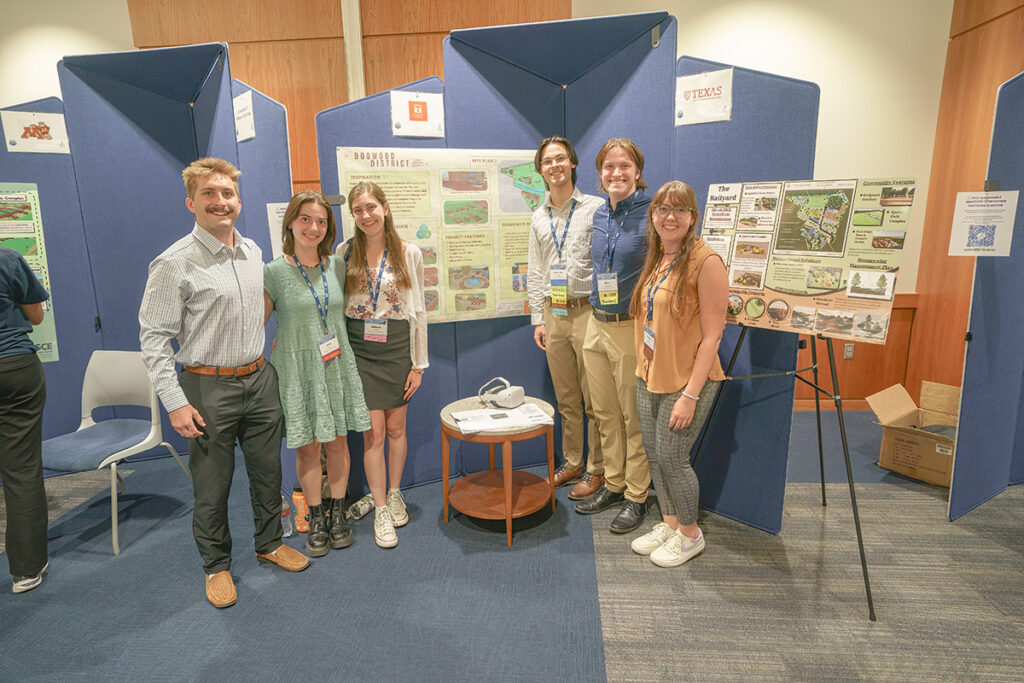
x=411, y=307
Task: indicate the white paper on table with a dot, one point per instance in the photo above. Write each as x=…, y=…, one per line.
x=704, y=97
x=983, y=223
x=499, y=419
x=417, y=114
x=275, y=219
x=27, y=131
x=245, y=122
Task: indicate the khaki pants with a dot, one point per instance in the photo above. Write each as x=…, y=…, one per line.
x=565, y=336
x=610, y=359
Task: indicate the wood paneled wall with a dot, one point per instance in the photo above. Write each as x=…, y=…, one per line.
x=986, y=48
x=292, y=52
x=402, y=40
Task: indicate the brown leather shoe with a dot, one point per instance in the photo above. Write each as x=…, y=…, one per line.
x=220, y=589
x=587, y=485
x=285, y=557
x=563, y=475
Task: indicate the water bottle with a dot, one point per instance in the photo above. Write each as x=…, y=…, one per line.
x=286, y=517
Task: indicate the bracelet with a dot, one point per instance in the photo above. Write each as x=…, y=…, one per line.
x=418, y=371
x=692, y=398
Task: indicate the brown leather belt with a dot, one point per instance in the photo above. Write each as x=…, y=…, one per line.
x=578, y=302
x=226, y=371
x=611, y=317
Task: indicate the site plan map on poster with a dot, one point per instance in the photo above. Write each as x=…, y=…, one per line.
x=468, y=210
x=811, y=256
x=21, y=229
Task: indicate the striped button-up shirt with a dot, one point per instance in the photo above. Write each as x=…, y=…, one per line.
x=575, y=252
x=209, y=298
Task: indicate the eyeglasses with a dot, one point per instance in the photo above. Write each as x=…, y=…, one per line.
x=550, y=161
x=306, y=220
x=678, y=211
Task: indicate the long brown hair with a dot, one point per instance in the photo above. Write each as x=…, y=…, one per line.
x=356, y=256
x=292, y=212
x=672, y=193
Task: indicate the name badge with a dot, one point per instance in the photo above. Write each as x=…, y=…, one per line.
x=648, y=342
x=329, y=347
x=559, y=281
x=608, y=288
x=375, y=330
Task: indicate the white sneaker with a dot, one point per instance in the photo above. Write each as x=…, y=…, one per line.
x=396, y=504
x=384, y=528
x=677, y=549
x=652, y=540
x=27, y=583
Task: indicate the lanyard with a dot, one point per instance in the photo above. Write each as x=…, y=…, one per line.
x=323, y=275
x=609, y=247
x=652, y=289
x=375, y=293
x=565, y=232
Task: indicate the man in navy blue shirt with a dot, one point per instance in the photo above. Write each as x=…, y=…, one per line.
x=22, y=396
x=618, y=249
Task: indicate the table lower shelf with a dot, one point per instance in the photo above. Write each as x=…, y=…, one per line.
x=482, y=494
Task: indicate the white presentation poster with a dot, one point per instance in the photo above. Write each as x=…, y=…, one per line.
x=983, y=223
x=39, y=132
x=245, y=122
x=468, y=210
x=275, y=219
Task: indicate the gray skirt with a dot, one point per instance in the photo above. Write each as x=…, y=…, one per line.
x=383, y=366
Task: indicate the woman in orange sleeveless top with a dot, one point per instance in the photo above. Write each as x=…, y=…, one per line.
x=679, y=311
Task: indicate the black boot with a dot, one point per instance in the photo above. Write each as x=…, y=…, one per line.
x=316, y=539
x=339, y=530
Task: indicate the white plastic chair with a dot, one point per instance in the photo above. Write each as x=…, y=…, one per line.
x=112, y=378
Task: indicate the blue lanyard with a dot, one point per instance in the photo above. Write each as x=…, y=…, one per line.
x=652, y=289
x=565, y=232
x=609, y=247
x=375, y=293
x=323, y=276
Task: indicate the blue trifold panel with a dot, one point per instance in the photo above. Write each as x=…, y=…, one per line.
x=990, y=440
x=135, y=119
x=771, y=136
x=71, y=290
x=367, y=123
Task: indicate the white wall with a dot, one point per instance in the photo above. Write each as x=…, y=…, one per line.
x=879, y=64
x=36, y=35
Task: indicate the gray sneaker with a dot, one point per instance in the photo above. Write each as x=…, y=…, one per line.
x=652, y=540
x=384, y=528
x=23, y=584
x=396, y=504
x=360, y=508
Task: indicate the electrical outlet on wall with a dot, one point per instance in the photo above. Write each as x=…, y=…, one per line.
x=848, y=351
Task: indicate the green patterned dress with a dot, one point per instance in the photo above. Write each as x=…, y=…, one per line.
x=320, y=400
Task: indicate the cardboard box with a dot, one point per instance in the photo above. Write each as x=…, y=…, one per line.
x=906, y=448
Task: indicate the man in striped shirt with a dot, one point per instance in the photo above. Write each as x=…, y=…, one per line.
x=206, y=292
x=559, y=281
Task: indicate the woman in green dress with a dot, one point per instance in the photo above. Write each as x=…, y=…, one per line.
x=321, y=393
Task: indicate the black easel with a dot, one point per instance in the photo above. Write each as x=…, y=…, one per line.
x=818, y=390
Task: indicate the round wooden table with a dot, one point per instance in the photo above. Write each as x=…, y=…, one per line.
x=489, y=494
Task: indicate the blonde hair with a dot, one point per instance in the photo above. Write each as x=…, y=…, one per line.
x=200, y=168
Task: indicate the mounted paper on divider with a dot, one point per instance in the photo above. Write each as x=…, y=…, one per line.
x=417, y=114
x=42, y=133
x=275, y=221
x=983, y=223
x=704, y=97
x=245, y=123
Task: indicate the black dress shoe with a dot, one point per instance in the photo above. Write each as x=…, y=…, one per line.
x=631, y=516
x=598, y=501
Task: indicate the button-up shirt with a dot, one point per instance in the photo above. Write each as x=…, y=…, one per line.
x=575, y=250
x=209, y=298
x=629, y=220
